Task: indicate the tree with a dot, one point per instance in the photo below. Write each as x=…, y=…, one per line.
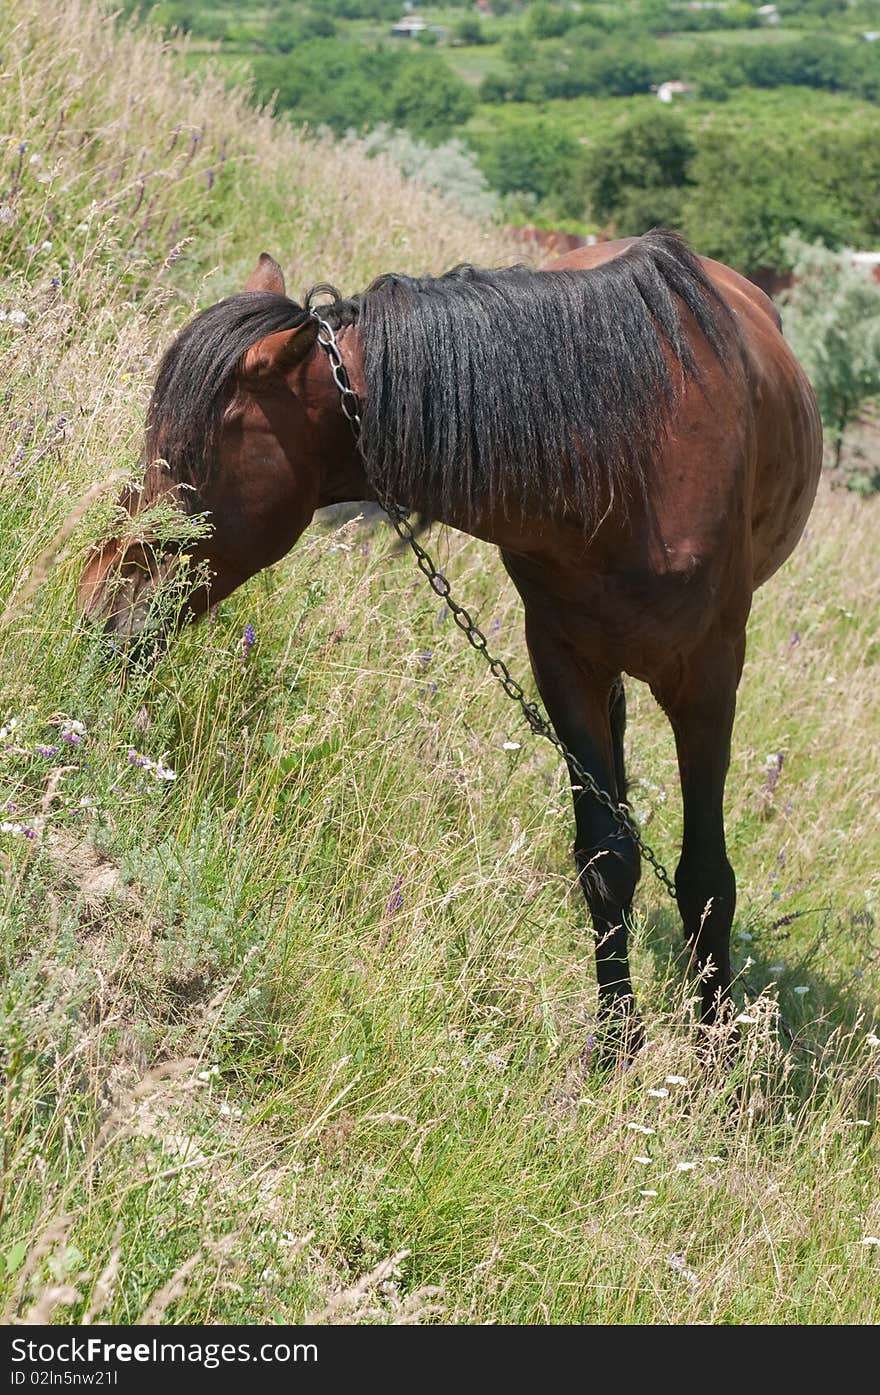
x=329, y=83
x=548, y=21
x=538, y=159
x=470, y=31
x=429, y=99
x=747, y=193
x=832, y=317
x=638, y=174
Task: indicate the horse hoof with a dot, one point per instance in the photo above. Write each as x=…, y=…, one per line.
x=618, y=1040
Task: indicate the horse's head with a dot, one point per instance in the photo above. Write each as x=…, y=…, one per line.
x=244, y=440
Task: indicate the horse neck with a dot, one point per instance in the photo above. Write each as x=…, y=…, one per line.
x=342, y=478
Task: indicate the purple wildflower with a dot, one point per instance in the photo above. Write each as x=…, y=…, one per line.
x=248, y=640
x=21, y=830
x=157, y=768
x=73, y=733
x=42, y=750
x=395, y=900
x=424, y=657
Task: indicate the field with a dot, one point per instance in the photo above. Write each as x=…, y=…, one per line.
x=591, y=120
x=299, y=1034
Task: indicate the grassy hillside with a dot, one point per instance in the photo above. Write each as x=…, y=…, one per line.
x=301, y=1032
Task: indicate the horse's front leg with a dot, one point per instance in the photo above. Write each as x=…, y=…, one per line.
x=578, y=699
x=700, y=699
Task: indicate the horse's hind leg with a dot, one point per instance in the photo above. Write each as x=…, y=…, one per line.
x=700, y=701
x=579, y=702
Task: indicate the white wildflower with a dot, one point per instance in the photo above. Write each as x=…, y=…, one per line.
x=870, y=1240
x=659, y=1094
x=746, y=1020
x=678, y=1263
x=685, y=1166
x=640, y=1158
x=511, y=745
x=802, y=988
x=641, y=1128
x=872, y=1039
x=675, y=1080
x=648, y=1191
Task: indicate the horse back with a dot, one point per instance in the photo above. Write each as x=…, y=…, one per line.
x=746, y=471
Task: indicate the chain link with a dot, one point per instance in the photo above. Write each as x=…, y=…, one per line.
x=539, y=724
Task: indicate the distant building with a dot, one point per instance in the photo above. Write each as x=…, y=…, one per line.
x=668, y=91
x=409, y=27
x=768, y=14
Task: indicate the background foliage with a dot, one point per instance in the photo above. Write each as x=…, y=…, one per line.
x=549, y=96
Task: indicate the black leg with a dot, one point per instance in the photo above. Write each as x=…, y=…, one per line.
x=578, y=701
x=701, y=703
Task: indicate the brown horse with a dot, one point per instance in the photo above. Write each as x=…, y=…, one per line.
x=629, y=427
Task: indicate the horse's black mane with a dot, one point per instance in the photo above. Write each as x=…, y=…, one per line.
x=482, y=385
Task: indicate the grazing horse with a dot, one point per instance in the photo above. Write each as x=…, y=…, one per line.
x=627, y=425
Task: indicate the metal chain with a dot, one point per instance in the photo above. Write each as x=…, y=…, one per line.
x=539, y=724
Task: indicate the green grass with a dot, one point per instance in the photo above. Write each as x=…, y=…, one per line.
x=301, y=1033
x=590, y=119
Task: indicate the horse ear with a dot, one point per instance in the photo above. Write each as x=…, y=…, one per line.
x=278, y=353
x=266, y=276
